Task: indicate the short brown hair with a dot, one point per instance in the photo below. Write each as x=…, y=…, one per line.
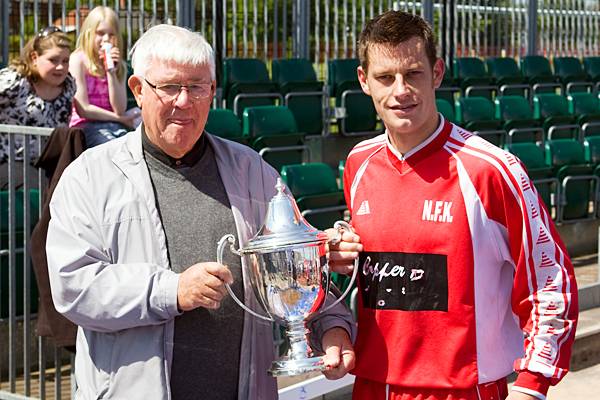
x=392, y=28
x=39, y=44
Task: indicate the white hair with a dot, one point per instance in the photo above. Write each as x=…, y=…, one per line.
x=171, y=43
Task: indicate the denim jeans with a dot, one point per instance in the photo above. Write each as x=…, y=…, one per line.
x=98, y=132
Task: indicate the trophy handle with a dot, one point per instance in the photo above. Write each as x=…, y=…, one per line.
x=220, y=250
x=340, y=225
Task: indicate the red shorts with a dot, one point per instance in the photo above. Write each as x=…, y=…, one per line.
x=370, y=390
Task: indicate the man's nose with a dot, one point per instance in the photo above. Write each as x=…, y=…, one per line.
x=183, y=98
x=400, y=86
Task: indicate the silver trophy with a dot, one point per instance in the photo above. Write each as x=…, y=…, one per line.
x=289, y=274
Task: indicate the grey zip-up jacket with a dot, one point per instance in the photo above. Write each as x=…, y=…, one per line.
x=110, y=274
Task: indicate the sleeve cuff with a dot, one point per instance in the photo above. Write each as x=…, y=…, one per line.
x=170, y=285
x=532, y=383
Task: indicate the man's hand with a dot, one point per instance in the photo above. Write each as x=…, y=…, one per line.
x=203, y=285
x=341, y=255
x=339, y=353
x=514, y=395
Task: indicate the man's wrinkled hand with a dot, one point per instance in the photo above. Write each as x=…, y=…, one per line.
x=203, y=285
x=339, y=354
x=343, y=249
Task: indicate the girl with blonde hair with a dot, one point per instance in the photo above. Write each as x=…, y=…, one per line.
x=101, y=97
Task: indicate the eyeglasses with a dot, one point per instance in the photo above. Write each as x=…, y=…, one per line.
x=170, y=91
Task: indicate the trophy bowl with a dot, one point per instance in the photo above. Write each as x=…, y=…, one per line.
x=288, y=272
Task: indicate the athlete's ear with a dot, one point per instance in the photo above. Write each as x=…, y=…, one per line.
x=362, y=79
x=438, y=72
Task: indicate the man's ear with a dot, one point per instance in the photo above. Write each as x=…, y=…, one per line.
x=438, y=72
x=135, y=84
x=362, y=79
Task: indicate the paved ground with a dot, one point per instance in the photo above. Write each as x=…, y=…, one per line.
x=578, y=385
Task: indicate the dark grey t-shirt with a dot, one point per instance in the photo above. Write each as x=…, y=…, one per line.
x=196, y=213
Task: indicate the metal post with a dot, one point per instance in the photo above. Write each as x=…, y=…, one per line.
x=185, y=13
x=303, y=20
x=5, y=11
x=532, y=27
x=428, y=11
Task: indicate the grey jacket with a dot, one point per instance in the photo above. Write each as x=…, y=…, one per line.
x=110, y=275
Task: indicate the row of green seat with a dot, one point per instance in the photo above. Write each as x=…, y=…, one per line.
x=270, y=130
x=512, y=118
x=532, y=75
x=246, y=83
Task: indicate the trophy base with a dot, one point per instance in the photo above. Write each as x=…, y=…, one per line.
x=296, y=367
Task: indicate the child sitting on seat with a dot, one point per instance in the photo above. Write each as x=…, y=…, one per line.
x=100, y=73
x=36, y=89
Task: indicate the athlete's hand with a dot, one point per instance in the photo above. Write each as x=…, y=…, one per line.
x=339, y=353
x=203, y=285
x=514, y=395
x=343, y=249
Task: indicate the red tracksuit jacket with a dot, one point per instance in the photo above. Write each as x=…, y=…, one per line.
x=463, y=275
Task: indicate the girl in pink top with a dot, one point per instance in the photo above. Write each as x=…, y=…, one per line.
x=101, y=97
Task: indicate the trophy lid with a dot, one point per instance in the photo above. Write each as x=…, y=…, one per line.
x=284, y=225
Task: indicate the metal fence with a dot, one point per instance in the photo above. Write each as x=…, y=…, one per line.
x=326, y=29
x=29, y=364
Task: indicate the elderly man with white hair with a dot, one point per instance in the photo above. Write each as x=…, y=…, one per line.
x=133, y=232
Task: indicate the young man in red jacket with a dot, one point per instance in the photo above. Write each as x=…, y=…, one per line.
x=463, y=276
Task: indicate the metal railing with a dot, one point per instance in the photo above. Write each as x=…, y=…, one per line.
x=24, y=370
x=321, y=30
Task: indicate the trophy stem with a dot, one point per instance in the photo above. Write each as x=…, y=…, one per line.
x=299, y=349
x=298, y=359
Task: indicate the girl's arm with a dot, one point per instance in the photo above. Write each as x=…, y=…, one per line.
x=117, y=91
x=77, y=68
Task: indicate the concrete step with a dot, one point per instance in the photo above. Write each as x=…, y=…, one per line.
x=586, y=349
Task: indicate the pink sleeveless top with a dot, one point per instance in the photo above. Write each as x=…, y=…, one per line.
x=97, y=88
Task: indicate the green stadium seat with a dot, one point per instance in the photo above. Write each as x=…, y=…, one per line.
x=553, y=111
x=539, y=75
x=586, y=108
x=473, y=78
x=34, y=202
x=578, y=185
x=272, y=131
x=356, y=115
x=446, y=109
x=571, y=74
x=508, y=76
x=315, y=188
x=246, y=83
x=303, y=94
x=592, y=68
x=518, y=120
x=224, y=123
x=476, y=114
x=591, y=147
